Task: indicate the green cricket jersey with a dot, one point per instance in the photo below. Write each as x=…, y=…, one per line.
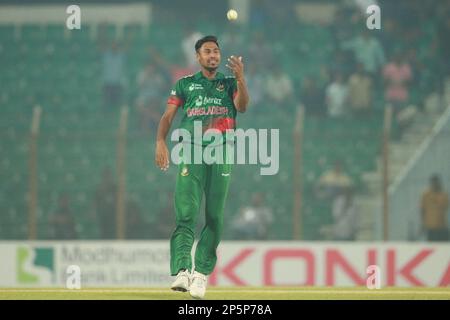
x=208, y=101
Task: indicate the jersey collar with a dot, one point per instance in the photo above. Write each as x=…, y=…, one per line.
x=199, y=75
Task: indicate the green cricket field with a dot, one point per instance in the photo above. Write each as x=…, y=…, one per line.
x=230, y=293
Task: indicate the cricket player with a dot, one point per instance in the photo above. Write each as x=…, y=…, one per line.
x=214, y=99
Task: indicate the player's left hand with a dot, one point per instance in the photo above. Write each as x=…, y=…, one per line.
x=236, y=66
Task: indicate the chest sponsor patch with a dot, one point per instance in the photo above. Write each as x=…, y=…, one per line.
x=195, y=86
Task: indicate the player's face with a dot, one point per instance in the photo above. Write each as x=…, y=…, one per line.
x=209, y=56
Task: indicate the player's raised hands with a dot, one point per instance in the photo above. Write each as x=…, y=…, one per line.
x=236, y=65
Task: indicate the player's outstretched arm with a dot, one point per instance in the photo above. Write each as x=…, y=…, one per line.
x=162, y=153
x=242, y=98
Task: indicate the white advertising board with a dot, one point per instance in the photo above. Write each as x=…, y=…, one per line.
x=284, y=263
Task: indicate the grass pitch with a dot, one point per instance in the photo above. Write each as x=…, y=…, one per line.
x=229, y=293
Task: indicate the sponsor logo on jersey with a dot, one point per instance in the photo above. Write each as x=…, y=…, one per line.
x=195, y=86
x=200, y=101
x=207, y=100
x=184, y=172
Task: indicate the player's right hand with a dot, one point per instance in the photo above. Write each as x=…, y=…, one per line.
x=162, y=156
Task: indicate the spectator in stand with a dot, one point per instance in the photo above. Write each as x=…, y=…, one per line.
x=279, y=88
x=336, y=97
x=360, y=88
x=344, y=225
x=253, y=222
x=434, y=209
x=105, y=205
x=137, y=226
x=187, y=44
x=232, y=42
x=312, y=98
x=260, y=52
x=61, y=222
x=333, y=182
x=391, y=36
x=368, y=51
x=148, y=103
x=258, y=16
x=165, y=222
x=397, y=74
x=113, y=75
x=342, y=63
x=255, y=83
x=170, y=72
x=443, y=46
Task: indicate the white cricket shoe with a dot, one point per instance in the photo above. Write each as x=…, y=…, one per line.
x=182, y=281
x=198, y=285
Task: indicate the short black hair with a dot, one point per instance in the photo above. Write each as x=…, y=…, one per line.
x=201, y=41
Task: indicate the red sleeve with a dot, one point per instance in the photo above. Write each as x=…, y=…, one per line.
x=175, y=101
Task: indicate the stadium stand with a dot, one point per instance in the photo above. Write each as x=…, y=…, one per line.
x=42, y=64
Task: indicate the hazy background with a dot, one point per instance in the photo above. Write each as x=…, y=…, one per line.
x=315, y=56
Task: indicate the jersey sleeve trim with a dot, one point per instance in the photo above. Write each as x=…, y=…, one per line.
x=175, y=101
